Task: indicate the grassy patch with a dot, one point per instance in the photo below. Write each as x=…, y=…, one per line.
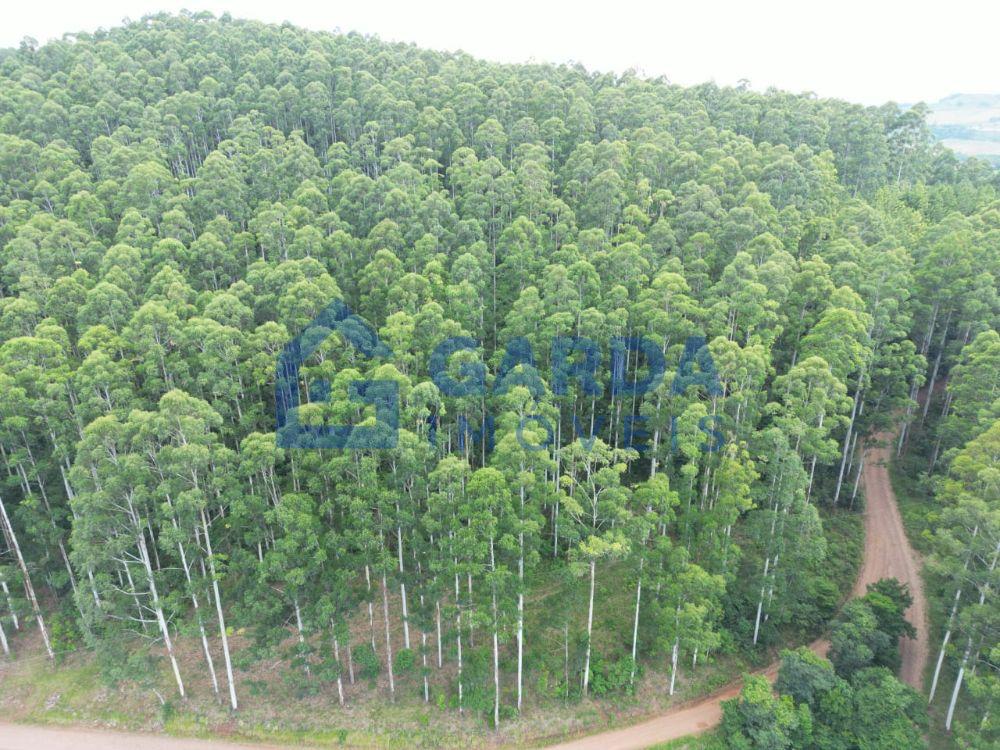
x=916, y=502
x=845, y=535
x=705, y=741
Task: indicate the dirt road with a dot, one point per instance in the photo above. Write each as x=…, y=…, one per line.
x=887, y=555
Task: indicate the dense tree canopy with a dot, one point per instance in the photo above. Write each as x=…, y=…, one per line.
x=630, y=332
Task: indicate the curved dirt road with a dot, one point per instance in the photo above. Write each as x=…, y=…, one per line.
x=887, y=555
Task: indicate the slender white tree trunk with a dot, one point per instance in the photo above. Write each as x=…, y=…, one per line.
x=673, y=663
x=934, y=370
x=520, y=608
x=350, y=661
x=406, y=615
x=635, y=622
x=520, y=647
x=675, y=651
x=904, y=428
x=135, y=593
x=496, y=644
x=158, y=609
x=388, y=639
x=472, y=619
x=10, y=605
x=925, y=346
x=458, y=639
x=760, y=601
x=197, y=609
x=555, y=530
x=423, y=651
x=402, y=585
x=437, y=607
x=847, y=440
x=90, y=573
x=944, y=646
x=3, y=640
x=812, y=476
x=221, y=617
x=590, y=627
x=204, y=645
x=948, y=628
x=301, y=631
x=958, y=686
x=371, y=608
x=857, y=477
x=340, y=679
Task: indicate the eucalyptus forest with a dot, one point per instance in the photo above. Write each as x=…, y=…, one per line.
x=637, y=339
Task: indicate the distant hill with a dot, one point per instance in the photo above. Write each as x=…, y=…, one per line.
x=969, y=124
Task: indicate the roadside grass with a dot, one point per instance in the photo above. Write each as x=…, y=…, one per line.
x=72, y=692
x=56, y=695
x=845, y=536
x=711, y=740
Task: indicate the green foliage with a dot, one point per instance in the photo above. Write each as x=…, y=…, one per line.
x=405, y=661
x=607, y=678
x=183, y=195
x=367, y=661
x=758, y=719
x=804, y=676
x=868, y=629
x=888, y=714
x=65, y=633
x=871, y=710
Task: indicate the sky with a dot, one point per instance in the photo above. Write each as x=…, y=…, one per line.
x=869, y=51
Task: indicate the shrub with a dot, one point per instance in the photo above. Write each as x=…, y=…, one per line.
x=368, y=663
x=405, y=661
x=64, y=634
x=611, y=677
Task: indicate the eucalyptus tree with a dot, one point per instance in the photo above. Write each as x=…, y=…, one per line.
x=488, y=513
x=10, y=536
x=814, y=402
x=448, y=483
x=114, y=508
x=652, y=515
x=525, y=468
x=192, y=463
x=599, y=507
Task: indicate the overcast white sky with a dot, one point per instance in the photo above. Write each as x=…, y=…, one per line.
x=868, y=51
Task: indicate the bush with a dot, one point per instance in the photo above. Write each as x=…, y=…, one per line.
x=368, y=663
x=868, y=629
x=64, y=634
x=614, y=677
x=405, y=661
x=477, y=687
